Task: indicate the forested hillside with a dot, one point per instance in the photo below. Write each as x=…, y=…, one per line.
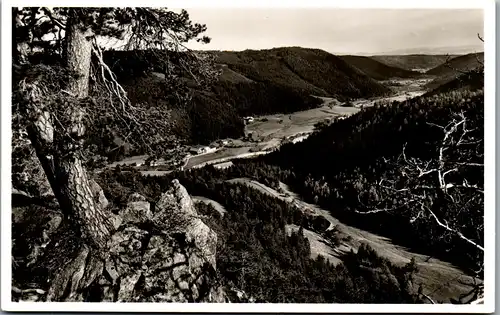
x=469, y=81
x=361, y=167
x=378, y=70
x=256, y=255
x=461, y=63
x=311, y=70
x=410, y=62
x=454, y=67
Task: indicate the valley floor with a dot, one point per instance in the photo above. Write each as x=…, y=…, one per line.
x=267, y=133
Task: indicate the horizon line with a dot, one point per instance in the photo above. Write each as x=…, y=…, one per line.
x=365, y=54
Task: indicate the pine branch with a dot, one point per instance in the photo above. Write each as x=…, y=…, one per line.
x=56, y=21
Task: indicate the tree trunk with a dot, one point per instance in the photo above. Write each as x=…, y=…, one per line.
x=93, y=222
x=59, y=152
x=78, y=53
x=62, y=162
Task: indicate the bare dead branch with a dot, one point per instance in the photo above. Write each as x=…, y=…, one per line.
x=456, y=232
x=455, y=133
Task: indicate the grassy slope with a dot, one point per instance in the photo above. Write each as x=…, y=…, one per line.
x=376, y=69
x=410, y=62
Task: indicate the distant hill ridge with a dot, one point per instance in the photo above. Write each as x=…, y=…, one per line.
x=454, y=67
x=313, y=71
x=414, y=61
x=462, y=63
x=443, y=50
x=378, y=70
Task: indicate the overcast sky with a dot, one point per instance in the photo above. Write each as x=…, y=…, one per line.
x=367, y=31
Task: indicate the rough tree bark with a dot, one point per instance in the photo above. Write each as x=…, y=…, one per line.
x=65, y=171
x=71, y=175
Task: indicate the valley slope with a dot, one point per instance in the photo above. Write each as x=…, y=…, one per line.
x=452, y=68
x=378, y=70
x=311, y=70
x=412, y=62
x=272, y=81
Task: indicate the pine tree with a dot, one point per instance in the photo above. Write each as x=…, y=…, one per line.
x=62, y=89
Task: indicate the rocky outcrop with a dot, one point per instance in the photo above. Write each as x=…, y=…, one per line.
x=158, y=253
x=137, y=210
x=154, y=267
x=164, y=255
x=176, y=211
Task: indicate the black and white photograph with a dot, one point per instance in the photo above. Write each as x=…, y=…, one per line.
x=310, y=157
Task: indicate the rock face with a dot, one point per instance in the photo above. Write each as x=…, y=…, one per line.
x=160, y=253
x=137, y=210
x=165, y=255
x=176, y=211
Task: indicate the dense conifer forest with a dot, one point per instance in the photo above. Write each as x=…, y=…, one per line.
x=339, y=194
x=353, y=156
x=255, y=253
x=274, y=81
x=355, y=162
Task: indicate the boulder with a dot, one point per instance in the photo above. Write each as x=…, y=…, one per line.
x=149, y=267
